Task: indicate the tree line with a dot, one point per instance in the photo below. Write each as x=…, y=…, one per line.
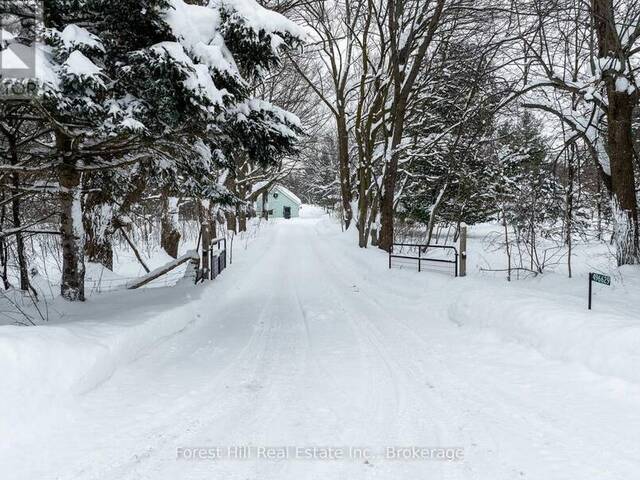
x=144, y=110
x=405, y=115
x=464, y=111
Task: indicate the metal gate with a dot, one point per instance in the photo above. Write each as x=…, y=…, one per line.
x=423, y=248
x=218, y=257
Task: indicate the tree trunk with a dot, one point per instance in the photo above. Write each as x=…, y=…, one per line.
x=345, y=170
x=506, y=243
x=232, y=223
x=4, y=263
x=22, y=260
x=242, y=190
x=569, y=208
x=71, y=228
x=385, y=239
x=230, y=214
x=403, y=78
x=434, y=213
x=103, y=218
x=619, y=135
x=242, y=220
x=99, y=249
x=169, y=234
x=4, y=253
x=98, y=228
x=599, y=209
x=625, y=207
x=374, y=236
x=15, y=210
x=363, y=205
x=387, y=199
x=372, y=227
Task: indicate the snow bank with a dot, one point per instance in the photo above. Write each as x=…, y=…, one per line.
x=606, y=343
x=60, y=360
x=311, y=211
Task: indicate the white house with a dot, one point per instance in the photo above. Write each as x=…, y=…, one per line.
x=281, y=203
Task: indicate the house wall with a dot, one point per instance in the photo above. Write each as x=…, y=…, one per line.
x=278, y=204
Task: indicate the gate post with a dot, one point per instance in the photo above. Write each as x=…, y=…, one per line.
x=463, y=250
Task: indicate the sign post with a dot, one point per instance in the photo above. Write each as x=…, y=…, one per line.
x=598, y=278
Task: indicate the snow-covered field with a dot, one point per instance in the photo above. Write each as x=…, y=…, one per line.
x=306, y=341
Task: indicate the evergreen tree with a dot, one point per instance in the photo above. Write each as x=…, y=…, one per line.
x=452, y=123
x=152, y=82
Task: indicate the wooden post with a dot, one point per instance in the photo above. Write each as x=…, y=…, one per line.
x=205, y=232
x=463, y=250
x=191, y=273
x=265, y=204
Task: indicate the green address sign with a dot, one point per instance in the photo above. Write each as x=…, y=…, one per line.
x=599, y=278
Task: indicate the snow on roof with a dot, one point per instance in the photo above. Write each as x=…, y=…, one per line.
x=258, y=185
x=288, y=193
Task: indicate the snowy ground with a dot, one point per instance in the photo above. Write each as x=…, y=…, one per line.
x=308, y=341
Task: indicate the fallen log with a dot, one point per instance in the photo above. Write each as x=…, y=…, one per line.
x=190, y=256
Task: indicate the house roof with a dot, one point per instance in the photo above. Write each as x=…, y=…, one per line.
x=292, y=196
x=258, y=185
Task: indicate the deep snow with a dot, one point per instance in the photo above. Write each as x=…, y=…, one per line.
x=308, y=341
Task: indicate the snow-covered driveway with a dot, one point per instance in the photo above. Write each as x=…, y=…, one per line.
x=307, y=341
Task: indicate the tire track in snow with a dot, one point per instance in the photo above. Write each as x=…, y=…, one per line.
x=506, y=410
x=323, y=362
x=406, y=379
x=454, y=418
x=162, y=435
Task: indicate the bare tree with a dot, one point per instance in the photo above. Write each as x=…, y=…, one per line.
x=335, y=25
x=582, y=60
